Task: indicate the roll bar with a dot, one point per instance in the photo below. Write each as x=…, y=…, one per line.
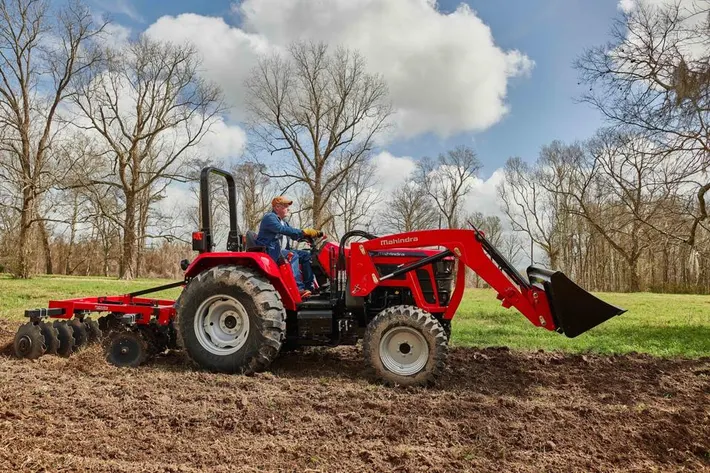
x=203, y=242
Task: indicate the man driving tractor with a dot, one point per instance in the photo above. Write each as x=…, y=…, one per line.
x=274, y=235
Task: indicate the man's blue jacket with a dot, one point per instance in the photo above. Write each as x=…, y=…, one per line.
x=271, y=230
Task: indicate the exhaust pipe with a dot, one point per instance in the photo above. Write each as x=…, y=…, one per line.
x=574, y=310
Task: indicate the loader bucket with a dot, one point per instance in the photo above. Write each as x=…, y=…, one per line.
x=574, y=309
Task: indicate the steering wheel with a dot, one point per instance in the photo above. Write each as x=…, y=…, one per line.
x=316, y=243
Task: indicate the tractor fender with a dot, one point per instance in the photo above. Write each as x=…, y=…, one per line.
x=285, y=286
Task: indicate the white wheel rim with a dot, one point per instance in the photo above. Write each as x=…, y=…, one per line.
x=404, y=351
x=221, y=325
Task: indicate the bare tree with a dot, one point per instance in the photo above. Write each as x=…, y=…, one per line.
x=448, y=179
x=490, y=225
x=353, y=201
x=511, y=247
x=613, y=183
x=150, y=109
x=255, y=191
x=319, y=113
x=104, y=216
x=654, y=77
x=531, y=208
x=408, y=209
x=41, y=52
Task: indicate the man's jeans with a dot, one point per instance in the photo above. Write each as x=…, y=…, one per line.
x=301, y=261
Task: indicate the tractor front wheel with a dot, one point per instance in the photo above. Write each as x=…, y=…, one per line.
x=231, y=319
x=406, y=346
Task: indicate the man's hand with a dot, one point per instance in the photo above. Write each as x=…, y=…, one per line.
x=312, y=233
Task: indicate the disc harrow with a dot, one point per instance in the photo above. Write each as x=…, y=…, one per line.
x=133, y=329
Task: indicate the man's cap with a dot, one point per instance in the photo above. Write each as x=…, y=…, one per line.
x=281, y=200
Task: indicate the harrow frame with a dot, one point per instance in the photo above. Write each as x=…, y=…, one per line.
x=144, y=309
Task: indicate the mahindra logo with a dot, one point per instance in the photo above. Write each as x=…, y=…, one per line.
x=397, y=241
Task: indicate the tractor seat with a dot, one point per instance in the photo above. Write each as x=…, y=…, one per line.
x=251, y=243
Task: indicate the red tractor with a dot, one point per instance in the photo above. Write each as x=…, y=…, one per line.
x=239, y=308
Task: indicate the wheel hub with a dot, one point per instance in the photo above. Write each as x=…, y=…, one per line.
x=404, y=351
x=230, y=322
x=221, y=325
x=126, y=349
x=25, y=344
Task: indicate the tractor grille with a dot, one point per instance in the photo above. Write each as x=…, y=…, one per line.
x=389, y=268
x=426, y=285
x=443, y=280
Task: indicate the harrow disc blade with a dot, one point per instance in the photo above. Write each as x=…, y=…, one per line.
x=93, y=332
x=66, y=338
x=51, y=338
x=574, y=309
x=29, y=341
x=79, y=332
x=126, y=349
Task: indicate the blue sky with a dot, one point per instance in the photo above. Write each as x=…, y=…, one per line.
x=542, y=108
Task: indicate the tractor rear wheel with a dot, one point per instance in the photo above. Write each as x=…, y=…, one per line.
x=406, y=346
x=231, y=319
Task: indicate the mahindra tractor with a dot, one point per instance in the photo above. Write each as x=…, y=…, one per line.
x=238, y=308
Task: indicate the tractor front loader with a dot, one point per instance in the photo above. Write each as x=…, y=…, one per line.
x=396, y=294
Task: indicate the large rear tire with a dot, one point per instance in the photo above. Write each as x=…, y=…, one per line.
x=231, y=320
x=406, y=346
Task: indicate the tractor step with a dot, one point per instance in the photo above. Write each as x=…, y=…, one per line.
x=316, y=304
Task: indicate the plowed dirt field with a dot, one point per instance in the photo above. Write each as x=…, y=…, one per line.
x=494, y=410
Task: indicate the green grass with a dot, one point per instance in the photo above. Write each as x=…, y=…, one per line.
x=16, y=295
x=659, y=324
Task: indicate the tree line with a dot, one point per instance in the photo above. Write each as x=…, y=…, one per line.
x=626, y=209
x=94, y=133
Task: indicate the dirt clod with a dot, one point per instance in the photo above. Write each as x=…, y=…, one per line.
x=316, y=410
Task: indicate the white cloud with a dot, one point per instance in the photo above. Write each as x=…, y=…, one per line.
x=123, y=7
x=484, y=196
x=176, y=198
x=392, y=171
x=627, y=5
x=115, y=35
x=444, y=71
x=223, y=141
x=228, y=54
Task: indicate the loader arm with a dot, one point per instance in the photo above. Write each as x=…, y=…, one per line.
x=546, y=298
x=467, y=247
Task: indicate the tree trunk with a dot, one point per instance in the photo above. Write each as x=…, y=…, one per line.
x=129, y=239
x=72, y=236
x=106, y=250
x=25, y=243
x=317, y=210
x=634, y=284
x=552, y=255
x=139, y=257
x=143, y=207
x=47, y=248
